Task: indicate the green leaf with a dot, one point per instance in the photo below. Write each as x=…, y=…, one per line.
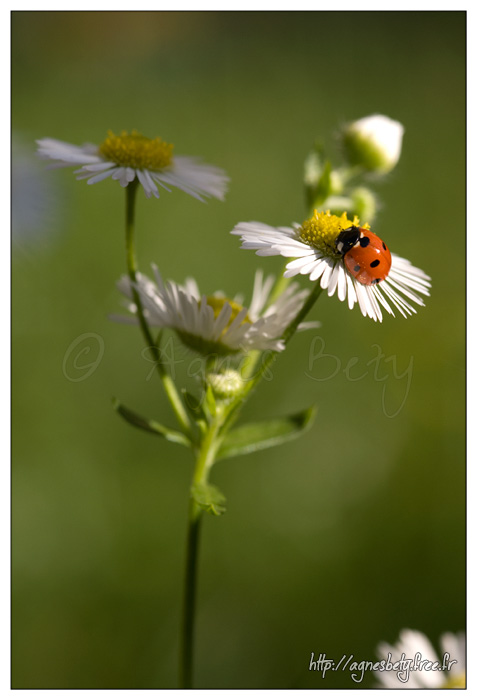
x=150, y=426
x=209, y=498
x=258, y=436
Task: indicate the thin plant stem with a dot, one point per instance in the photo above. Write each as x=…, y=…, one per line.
x=188, y=622
x=169, y=386
x=279, y=287
x=205, y=460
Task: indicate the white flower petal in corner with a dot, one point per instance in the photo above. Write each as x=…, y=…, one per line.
x=444, y=670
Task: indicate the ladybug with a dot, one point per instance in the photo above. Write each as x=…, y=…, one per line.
x=365, y=255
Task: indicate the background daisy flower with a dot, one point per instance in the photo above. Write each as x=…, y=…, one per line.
x=132, y=155
x=216, y=324
x=313, y=245
x=412, y=642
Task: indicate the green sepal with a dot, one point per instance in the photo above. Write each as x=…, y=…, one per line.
x=210, y=403
x=258, y=436
x=209, y=498
x=150, y=426
x=193, y=404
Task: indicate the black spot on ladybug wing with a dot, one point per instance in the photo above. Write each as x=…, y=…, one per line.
x=384, y=245
x=364, y=242
x=375, y=263
x=357, y=268
x=376, y=280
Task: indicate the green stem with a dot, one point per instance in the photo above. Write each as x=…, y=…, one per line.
x=205, y=460
x=279, y=287
x=169, y=386
x=235, y=406
x=188, y=622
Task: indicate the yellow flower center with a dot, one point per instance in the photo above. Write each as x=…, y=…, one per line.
x=323, y=228
x=455, y=681
x=136, y=151
x=218, y=303
x=215, y=347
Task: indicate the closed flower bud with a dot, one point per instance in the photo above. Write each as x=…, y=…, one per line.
x=225, y=384
x=374, y=143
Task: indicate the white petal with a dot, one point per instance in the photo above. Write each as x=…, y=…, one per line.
x=221, y=321
x=100, y=176
x=68, y=153
x=293, y=250
x=333, y=283
x=382, y=300
x=325, y=280
x=362, y=300
x=352, y=296
x=102, y=165
x=401, y=288
x=195, y=178
x=342, y=284
x=300, y=263
x=320, y=266
x=148, y=183
x=267, y=252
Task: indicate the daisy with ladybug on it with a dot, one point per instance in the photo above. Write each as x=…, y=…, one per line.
x=344, y=257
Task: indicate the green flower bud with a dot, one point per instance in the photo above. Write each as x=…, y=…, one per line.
x=374, y=143
x=364, y=203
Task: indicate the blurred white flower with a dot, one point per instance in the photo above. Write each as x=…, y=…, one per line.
x=417, y=648
x=374, y=143
x=34, y=201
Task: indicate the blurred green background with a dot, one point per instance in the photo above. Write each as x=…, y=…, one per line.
x=331, y=543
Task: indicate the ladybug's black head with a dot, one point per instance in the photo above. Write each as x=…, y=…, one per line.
x=347, y=239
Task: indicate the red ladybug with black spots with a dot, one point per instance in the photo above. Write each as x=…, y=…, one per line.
x=365, y=255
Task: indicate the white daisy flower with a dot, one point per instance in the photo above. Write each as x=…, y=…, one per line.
x=346, y=258
x=132, y=155
x=374, y=142
x=216, y=324
x=417, y=648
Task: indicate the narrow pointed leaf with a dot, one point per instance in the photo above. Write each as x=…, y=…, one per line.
x=209, y=498
x=258, y=436
x=150, y=426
